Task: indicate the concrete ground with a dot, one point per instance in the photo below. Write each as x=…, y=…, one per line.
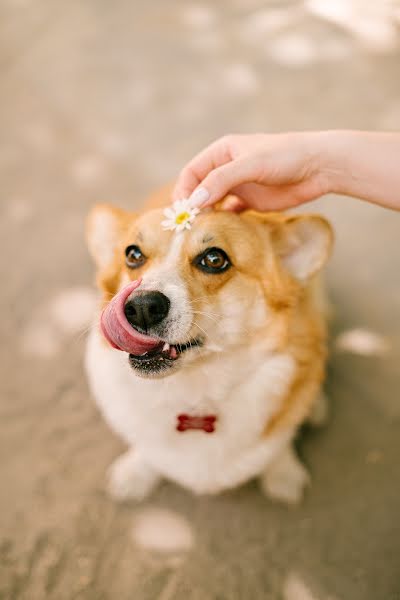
x=104, y=101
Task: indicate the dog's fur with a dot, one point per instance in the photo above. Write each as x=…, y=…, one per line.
x=261, y=365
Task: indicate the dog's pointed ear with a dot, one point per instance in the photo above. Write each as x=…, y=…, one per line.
x=105, y=223
x=303, y=244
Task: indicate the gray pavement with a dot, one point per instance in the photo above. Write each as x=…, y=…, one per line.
x=104, y=101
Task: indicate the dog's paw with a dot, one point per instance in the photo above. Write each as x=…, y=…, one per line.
x=285, y=479
x=320, y=411
x=129, y=478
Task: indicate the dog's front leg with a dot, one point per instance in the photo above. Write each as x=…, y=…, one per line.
x=131, y=478
x=319, y=412
x=285, y=478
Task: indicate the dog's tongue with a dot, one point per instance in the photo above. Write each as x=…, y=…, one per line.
x=118, y=331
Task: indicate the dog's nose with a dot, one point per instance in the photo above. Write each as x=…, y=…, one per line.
x=146, y=309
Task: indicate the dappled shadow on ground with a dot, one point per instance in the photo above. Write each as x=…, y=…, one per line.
x=104, y=102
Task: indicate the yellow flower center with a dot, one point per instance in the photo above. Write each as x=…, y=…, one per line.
x=182, y=217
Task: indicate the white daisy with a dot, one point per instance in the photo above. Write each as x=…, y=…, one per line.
x=180, y=215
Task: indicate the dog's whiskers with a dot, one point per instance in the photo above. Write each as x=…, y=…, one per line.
x=199, y=312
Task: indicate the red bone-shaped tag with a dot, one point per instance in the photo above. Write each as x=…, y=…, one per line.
x=206, y=423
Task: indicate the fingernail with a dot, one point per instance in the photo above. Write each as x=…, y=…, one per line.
x=199, y=196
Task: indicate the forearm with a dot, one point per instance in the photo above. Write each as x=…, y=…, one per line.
x=361, y=164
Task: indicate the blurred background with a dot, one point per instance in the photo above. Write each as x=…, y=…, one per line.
x=105, y=101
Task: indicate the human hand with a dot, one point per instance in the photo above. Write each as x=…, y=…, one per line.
x=264, y=171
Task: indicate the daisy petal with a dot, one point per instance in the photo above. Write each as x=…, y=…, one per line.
x=168, y=226
x=180, y=215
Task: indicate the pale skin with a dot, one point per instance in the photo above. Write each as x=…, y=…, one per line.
x=270, y=172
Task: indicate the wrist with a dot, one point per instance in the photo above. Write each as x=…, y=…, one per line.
x=332, y=151
x=343, y=155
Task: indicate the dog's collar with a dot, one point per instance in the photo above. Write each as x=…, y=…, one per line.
x=206, y=423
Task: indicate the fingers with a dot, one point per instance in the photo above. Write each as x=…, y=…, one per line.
x=258, y=197
x=234, y=204
x=219, y=182
x=215, y=155
x=186, y=183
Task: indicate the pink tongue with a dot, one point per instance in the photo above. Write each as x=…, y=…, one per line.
x=118, y=331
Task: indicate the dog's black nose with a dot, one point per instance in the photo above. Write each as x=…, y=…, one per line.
x=146, y=309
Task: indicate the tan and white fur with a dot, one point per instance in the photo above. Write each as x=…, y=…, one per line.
x=261, y=365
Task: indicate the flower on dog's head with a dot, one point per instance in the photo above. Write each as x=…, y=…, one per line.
x=180, y=215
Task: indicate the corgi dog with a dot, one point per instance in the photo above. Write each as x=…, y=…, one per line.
x=210, y=353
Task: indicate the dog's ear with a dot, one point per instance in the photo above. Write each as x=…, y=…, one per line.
x=105, y=223
x=303, y=243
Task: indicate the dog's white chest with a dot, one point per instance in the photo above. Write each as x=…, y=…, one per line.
x=202, y=427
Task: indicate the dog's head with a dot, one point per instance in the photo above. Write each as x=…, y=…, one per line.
x=230, y=279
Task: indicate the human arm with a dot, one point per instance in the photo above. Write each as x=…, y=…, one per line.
x=279, y=171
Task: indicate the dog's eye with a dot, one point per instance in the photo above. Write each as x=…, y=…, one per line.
x=213, y=260
x=134, y=257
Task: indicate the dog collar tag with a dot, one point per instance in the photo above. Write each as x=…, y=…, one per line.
x=206, y=423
